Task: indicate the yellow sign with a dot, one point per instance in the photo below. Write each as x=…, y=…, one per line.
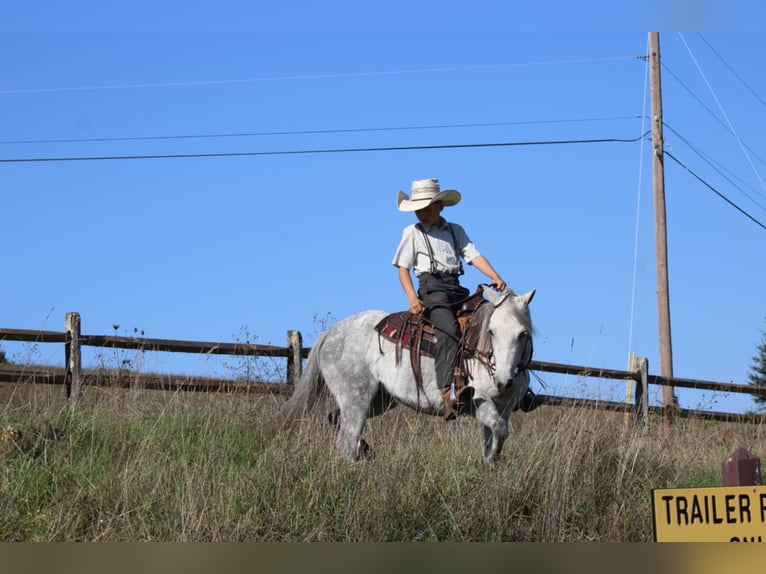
x=723, y=514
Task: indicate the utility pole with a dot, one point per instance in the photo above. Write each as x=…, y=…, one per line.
x=660, y=223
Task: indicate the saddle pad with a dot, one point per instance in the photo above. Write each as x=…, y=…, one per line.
x=401, y=328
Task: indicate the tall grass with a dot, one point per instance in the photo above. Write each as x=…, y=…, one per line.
x=148, y=466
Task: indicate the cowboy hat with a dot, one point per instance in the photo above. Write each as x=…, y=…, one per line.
x=424, y=193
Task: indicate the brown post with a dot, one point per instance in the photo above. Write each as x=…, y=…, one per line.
x=295, y=357
x=660, y=223
x=741, y=468
x=73, y=356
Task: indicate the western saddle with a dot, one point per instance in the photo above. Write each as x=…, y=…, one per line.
x=418, y=334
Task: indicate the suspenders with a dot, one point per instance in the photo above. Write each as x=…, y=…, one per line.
x=419, y=226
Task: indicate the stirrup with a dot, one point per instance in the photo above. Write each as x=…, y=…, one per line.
x=449, y=405
x=459, y=405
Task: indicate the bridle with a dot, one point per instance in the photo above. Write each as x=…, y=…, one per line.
x=467, y=349
x=526, y=357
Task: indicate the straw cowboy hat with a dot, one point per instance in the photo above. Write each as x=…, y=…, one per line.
x=424, y=193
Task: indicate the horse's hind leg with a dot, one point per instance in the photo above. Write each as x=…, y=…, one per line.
x=351, y=424
x=348, y=435
x=333, y=418
x=349, y=441
x=380, y=404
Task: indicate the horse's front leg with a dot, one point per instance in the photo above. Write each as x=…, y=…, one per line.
x=495, y=428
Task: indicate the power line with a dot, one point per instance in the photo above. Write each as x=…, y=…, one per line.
x=725, y=115
x=310, y=132
x=310, y=76
x=719, y=168
x=631, y=328
x=321, y=151
x=714, y=190
x=732, y=70
x=711, y=112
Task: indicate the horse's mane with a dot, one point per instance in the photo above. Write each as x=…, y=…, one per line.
x=484, y=314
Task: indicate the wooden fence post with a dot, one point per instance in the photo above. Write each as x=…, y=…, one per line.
x=73, y=357
x=295, y=357
x=642, y=391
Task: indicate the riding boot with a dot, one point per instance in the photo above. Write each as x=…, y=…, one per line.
x=449, y=407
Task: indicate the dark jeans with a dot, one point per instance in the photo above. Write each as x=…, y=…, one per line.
x=443, y=289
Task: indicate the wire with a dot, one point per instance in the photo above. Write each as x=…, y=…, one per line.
x=711, y=112
x=725, y=115
x=320, y=151
x=720, y=169
x=732, y=70
x=714, y=190
x=638, y=219
x=309, y=76
x=311, y=132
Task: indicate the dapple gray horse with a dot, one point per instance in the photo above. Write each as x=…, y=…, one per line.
x=359, y=367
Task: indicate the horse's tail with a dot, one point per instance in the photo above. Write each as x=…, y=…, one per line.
x=305, y=394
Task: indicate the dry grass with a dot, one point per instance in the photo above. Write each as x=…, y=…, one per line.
x=134, y=465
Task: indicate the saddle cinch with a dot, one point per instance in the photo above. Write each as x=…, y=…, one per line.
x=414, y=332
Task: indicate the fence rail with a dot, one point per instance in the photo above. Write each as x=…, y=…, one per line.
x=651, y=379
x=148, y=344
x=123, y=378
x=74, y=378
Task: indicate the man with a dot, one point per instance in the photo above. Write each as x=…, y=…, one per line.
x=434, y=249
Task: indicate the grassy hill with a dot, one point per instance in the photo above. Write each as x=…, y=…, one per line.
x=135, y=465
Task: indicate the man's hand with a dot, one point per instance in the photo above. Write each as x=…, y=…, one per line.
x=485, y=267
x=416, y=306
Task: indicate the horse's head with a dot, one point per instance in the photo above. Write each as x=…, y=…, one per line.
x=509, y=334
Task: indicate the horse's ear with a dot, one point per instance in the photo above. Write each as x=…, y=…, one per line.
x=527, y=297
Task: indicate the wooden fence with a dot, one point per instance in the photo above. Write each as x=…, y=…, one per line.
x=74, y=379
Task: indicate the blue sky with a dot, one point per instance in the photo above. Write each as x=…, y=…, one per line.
x=252, y=244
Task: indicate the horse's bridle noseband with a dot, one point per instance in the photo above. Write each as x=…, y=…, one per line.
x=526, y=358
